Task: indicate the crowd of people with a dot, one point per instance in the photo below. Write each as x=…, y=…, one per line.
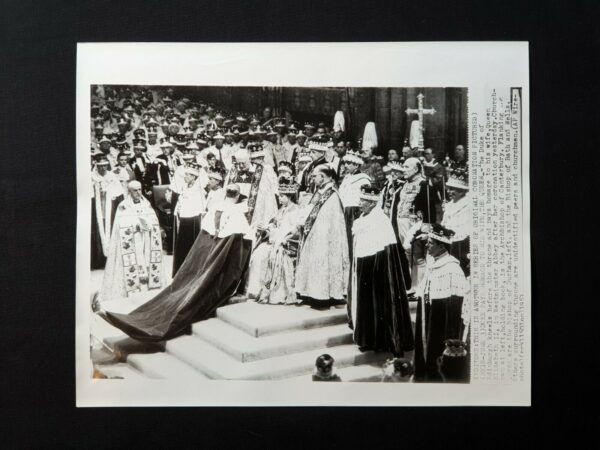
x=281, y=212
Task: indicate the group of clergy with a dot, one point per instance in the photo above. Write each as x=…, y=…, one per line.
x=331, y=224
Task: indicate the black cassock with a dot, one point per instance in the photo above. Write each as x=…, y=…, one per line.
x=184, y=236
x=205, y=281
x=378, y=304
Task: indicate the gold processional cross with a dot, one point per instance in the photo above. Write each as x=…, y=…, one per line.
x=420, y=111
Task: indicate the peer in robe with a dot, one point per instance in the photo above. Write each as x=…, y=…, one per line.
x=257, y=182
x=323, y=262
x=373, y=166
x=337, y=162
x=134, y=261
x=389, y=200
x=317, y=150
x=214, y=193
x=378, y=303
x=440, y=295
x=458, y=218
x=178, y=182
x=302, y=163
x=289, y=148
x=459, y=163
x=107, y=193
x=123, y=171
x=350, y=190
x=188, y=214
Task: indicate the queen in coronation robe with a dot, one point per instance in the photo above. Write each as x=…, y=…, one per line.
x=378, y=303
x=134, y=261
x=323, y=269
x=272, y=266
x=441, y=294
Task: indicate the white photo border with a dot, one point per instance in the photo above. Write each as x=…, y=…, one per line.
x=474, y=65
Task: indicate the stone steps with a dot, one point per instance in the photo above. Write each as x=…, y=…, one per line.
x=119, y=371
x=217, y=364
x=365, y=372
x=245, y=348
x=249, y=341
x=164, y=366
x=263, y=320
x=123, y=346
x=362, y=372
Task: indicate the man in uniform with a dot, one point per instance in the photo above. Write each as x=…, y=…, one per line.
x=152, y=146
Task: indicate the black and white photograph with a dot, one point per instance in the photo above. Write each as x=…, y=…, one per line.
x=259, y=233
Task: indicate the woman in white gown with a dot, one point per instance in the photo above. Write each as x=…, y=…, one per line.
x=271, y=273
x=278, y=282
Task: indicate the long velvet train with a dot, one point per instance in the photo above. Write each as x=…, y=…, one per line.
x=205, y=281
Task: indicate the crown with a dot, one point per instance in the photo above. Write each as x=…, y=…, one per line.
x=369, y=192
x=319, y=144
x=458, y=180
x=440, y=233
x=256, y=150
x=193, y=168
x=395, y=165
x=353, y=157
x=215, y=175
x=287, y=187
x=102, y=161
x=285, y=166
x=304, y=156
